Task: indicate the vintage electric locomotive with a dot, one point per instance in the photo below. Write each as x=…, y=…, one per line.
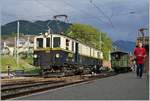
x=56, y=53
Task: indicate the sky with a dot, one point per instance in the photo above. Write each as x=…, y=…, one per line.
x=120, y=19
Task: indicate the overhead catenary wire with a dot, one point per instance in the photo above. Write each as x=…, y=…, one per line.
x=83, y=11
x=41, y=3
x=77, y=9
x=16, y=16
x=50, y=9
x=42, y=26
x=109, y=19
x=56, y=12
x=101, y=11
x=44, y=5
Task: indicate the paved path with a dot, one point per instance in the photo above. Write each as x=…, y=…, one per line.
x=120, y=87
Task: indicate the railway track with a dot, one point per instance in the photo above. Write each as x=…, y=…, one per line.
x=26, y=85
x=15, y=90
x=25, y=89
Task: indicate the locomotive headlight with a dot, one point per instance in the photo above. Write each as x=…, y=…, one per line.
x=57, y=55
x=72, y=60
x=46, y=34
x=67, y=59
x=35, y=55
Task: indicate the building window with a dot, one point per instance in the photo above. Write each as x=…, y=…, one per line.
x=56, y=42
x=39, y=42
x=47, y=42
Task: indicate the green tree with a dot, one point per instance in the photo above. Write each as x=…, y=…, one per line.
x=91, y=35
x=106, y=45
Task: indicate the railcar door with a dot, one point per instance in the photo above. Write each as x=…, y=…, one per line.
x=45, y=60
x=76, y=52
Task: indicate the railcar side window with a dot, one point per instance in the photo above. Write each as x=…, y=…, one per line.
x=67, y=44
x=47, y=42
x=39, y=42
x=72, y=46
x=56, y=42
x=98, y=54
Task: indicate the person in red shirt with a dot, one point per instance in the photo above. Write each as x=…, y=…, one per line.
x=140, y=54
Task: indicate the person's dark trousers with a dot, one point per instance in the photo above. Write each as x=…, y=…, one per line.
x=140, y=68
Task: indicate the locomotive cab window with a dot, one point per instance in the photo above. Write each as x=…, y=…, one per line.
x=39, y=42
x=56, y=42
x=47, y=42
x=117, y=56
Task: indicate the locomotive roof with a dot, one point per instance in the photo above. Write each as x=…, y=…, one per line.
x=73, y=39
x=121, y=52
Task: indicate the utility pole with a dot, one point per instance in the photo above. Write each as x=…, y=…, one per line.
x=49, y=32
x=101, y=45
x=18, y=25
x=109, y=56
x=28, y=45
x=100, y=41
x=14, y=53
x=143, y=34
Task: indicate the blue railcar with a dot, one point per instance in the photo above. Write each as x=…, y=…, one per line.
x=59, y=53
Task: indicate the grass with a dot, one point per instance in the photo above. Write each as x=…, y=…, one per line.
x=25, y=65
x=29, y=60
